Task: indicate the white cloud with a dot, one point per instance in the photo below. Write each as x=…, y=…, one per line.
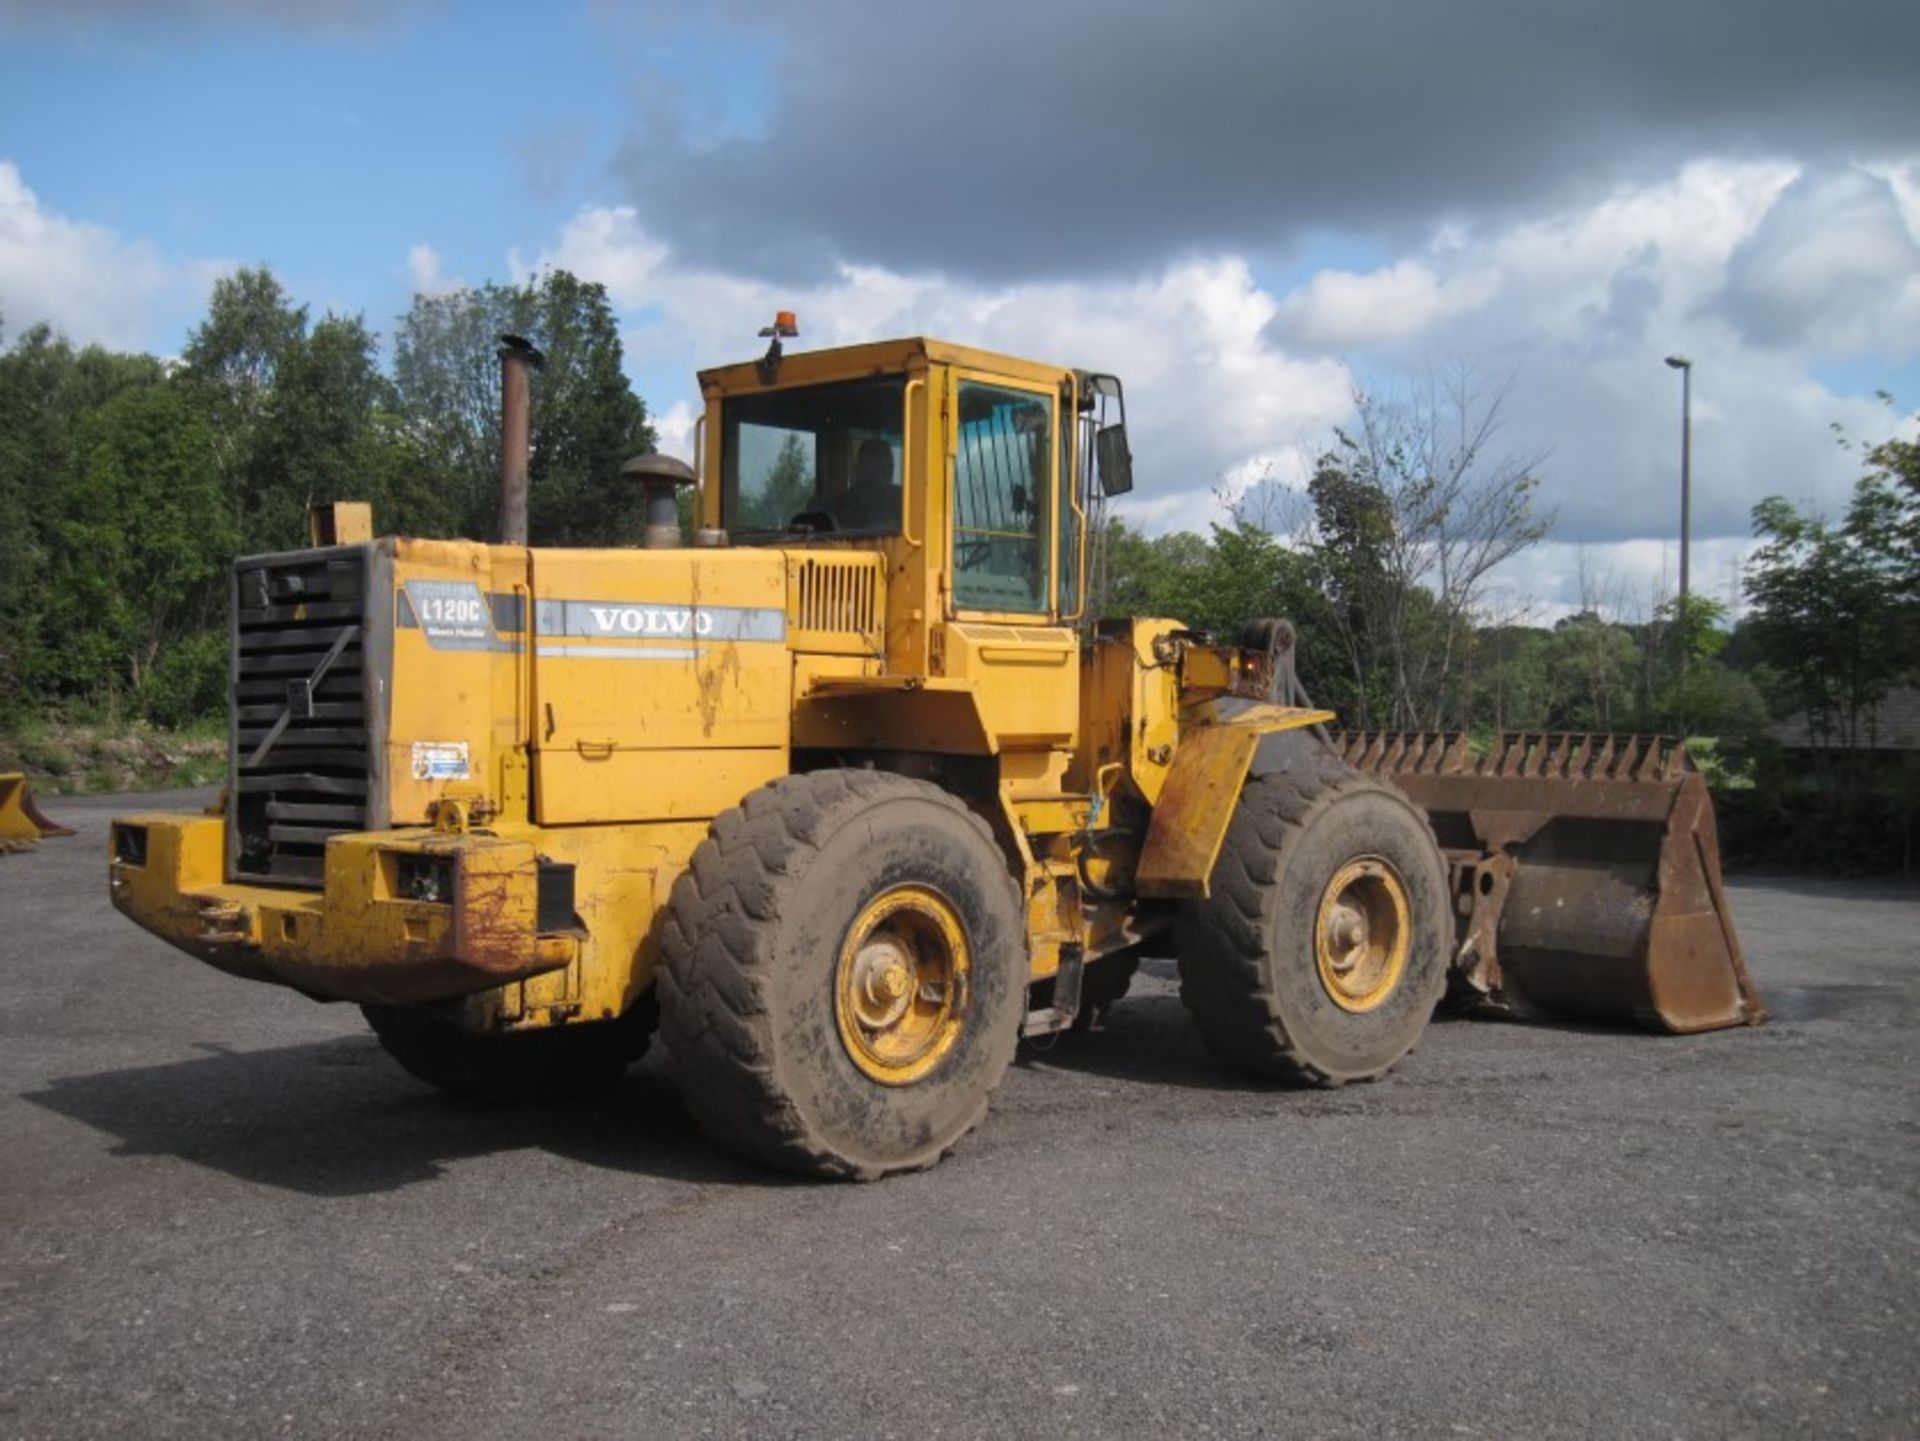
x=1338, y=309
x=1208, y=395
x=673, y=430
x=1834, y=264
x=85, y=280
x=1591, y=298
x=1623, y=580
x=1559, y=267
x=423, y=272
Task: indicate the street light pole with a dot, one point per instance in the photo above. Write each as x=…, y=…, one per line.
x=1685, y=367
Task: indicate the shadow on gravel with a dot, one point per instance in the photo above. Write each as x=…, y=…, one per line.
x=1152, y=1040
x=337, y=1118
x=1146, y=1039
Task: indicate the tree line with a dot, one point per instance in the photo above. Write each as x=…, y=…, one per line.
x=129, y=482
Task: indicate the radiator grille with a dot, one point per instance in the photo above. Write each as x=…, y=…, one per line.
x=301, y=758
x=839, y=596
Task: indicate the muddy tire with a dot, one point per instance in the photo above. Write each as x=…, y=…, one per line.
x=554, y=1064
x=844, y=974
x=1322, y=950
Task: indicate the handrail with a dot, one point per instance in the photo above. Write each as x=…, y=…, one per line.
x=523, y=668
x=700, y=470
x=906, y=465
x=1080, y=550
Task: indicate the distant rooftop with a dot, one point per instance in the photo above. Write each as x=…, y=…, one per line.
x=1894, y=725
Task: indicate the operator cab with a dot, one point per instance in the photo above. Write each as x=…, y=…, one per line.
x=972, y=470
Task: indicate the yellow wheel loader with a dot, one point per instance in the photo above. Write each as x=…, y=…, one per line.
x=852, y=791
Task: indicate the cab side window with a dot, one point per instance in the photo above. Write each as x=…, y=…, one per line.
x=1002, y=487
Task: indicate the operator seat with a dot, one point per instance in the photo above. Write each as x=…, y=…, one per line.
x=872, y=500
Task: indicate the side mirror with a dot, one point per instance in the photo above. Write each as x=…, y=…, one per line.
x=1116, y=461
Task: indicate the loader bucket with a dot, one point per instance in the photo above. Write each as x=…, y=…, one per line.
x=1585, y=874
x=21, y=824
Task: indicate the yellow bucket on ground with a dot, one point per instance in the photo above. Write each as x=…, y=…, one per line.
x=1586, y=875
x=21, y=824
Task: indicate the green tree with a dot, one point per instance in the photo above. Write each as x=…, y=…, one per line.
x=1352, y=531
x=301, y=414
x=787, y=490
x=1217, y=583
x=1505, y=678
x=47, y=391
x=1589, y=665
x=1834, y=604
x=585, y=421
x=331, y=430
x=1414, y=509
x=231, y=369
x=138, y=551
x=1139, y=574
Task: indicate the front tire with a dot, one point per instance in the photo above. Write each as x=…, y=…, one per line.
x=844, y=974
x=1322, y=950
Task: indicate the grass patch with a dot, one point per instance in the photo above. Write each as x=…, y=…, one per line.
x=70, y=757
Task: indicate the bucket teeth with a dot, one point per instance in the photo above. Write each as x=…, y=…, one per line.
x=1623, y=761
x=1513, y=757
x=1564, y=755
x=1652, y=764
x=1577, y=760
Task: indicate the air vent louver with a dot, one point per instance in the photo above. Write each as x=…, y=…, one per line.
x=301, y=754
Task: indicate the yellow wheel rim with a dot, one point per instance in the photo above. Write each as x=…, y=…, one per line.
x=1362, y=934
x=900, y=988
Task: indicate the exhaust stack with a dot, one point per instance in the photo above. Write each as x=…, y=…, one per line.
x=519, y=358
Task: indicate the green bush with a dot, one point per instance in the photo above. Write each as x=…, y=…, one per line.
x=188, y=683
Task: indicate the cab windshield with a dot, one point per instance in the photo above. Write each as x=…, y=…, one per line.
x=813, y=460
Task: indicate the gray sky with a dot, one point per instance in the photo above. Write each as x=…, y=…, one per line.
x=1079, y=138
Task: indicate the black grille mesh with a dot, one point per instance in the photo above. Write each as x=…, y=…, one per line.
x=301, y=760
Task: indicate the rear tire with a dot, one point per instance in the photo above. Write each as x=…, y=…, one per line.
x=1322, y=950
x=844, y=974
x=554, y=1063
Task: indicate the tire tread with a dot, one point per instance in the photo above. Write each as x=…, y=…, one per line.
x=724, y=911
x=1223, y=981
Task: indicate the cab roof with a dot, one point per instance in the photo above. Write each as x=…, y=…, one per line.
x=880, y=357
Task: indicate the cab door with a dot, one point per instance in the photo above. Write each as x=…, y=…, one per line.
x=1003, y=629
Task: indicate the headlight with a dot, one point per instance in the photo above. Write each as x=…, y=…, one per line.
x=418, y=877
x=130, y=844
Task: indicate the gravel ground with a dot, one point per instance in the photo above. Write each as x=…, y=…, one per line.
x=222, y=1210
